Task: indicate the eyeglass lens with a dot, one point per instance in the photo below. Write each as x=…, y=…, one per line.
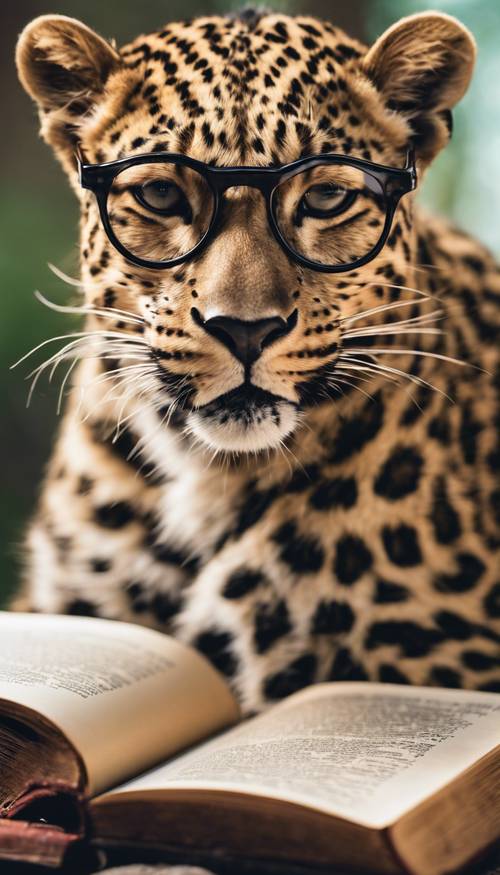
x=160, y=211
x=333, y=214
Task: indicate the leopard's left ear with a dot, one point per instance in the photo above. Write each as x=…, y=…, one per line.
x=423, y=65
x=64, y=66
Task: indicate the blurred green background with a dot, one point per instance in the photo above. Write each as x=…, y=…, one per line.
x=38, y=217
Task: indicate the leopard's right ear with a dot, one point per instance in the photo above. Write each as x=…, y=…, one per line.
x=63, y=65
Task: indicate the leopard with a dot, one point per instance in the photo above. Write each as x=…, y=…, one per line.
x=292, y=470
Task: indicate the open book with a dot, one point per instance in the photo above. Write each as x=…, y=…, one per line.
x=115, y=736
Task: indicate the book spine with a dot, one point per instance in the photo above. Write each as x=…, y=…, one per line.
x=42, y=824
x=34, y=843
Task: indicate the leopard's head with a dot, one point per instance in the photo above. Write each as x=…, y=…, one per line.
x=243, y=336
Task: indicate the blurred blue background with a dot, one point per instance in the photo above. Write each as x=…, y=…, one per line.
x=38, y=216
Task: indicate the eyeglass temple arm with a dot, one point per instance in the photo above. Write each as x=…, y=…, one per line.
x=80, y=161
x=411, y=166
x=86, y=172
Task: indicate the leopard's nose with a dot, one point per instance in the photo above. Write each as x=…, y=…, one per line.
x=246, y=339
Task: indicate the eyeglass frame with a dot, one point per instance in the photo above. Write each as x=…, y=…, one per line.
x=394, y=182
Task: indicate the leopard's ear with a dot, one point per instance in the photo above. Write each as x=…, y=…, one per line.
x=63, y=65
x=422, y=65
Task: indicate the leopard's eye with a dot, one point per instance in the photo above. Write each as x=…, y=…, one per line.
x=324, y=201
x=162, y=197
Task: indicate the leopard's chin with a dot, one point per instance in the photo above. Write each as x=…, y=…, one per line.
x=245, y=420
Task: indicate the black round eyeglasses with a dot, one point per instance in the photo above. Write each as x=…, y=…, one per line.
x=330, y=212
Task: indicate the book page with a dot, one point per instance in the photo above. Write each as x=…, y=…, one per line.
x=125, y=696
x=365, y=752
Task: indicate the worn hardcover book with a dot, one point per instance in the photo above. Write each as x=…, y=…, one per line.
x=116, y=736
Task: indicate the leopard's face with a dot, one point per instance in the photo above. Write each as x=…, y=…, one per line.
x=241, y=339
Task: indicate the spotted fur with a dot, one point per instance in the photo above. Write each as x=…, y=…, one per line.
x=348, y=528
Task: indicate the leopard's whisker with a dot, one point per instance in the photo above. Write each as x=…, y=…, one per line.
x=126, y=369
x=120, y=351
x=283, y=450
x=63, y=386
x=79, y=334
x=69, y=351
x=84, y=310
x=422, y=352
x=382, y=308
x=414, y=322
x=80, y=284
x=116, y=380
x=392, y=332
x=391, y=379
x=60, y=274
x=425, y=266
x=108, y=335
x=342, y=373
x=427, y=294
x=422, y=319
x=375, y=367
x=165, y=420
x=354, y=386
x=37, y=373
x=402, y=288
x=130, y=392
x=118, y=383
x=213, y=457
x=117, y=349
x=57, y=362
x=102, y=377
x=164, y=412
x=117, y=433
x=410, y=327
x=125, y=397
x=131, y=356
x=292, y=454
x=172, y=407
x=54, y=361
x=333, y=385
x=388, y=327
